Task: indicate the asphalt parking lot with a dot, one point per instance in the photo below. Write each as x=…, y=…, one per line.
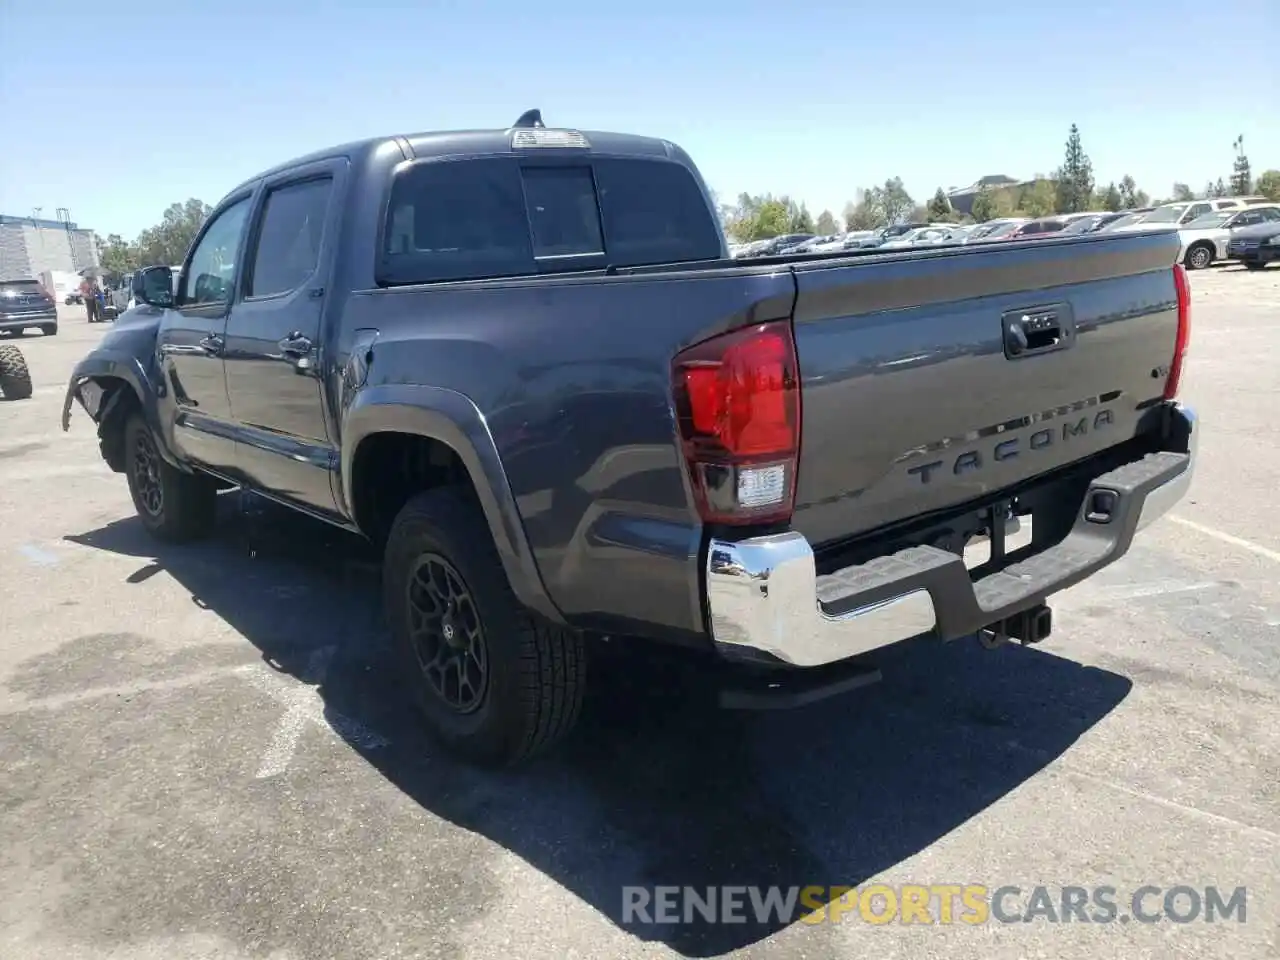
x=205, y=752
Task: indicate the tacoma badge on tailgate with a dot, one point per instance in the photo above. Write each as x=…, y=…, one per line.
x=1011, y=447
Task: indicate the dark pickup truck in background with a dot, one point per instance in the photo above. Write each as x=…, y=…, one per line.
x=522, y=360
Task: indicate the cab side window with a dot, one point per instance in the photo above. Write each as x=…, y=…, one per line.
x=288, y=246
x=211, y=273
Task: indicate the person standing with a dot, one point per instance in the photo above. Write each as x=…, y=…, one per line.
x=89, y=293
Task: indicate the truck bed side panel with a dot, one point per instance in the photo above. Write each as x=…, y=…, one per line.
x=910, y=402
x=573, y=377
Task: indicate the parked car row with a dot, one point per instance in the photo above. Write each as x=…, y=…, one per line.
x=1241, y=228
x=897, y=235
x=1251, y=235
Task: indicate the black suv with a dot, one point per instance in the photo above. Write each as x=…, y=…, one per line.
x=26, y=303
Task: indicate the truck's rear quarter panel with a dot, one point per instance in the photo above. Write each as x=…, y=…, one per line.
x=573, y=377
x=907, y=390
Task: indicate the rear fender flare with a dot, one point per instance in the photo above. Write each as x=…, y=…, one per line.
x=452, y=419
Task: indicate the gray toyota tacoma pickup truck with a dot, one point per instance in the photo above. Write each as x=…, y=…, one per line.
x=522, y=361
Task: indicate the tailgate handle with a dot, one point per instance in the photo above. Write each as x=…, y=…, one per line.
x=1031, y=332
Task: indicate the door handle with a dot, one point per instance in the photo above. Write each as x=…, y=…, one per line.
x=295, y=345
x=212, y=344
x=1039, y=330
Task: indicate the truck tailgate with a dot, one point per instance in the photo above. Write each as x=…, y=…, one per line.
x=937, y=378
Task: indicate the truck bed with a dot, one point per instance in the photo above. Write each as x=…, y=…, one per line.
x=902, y=366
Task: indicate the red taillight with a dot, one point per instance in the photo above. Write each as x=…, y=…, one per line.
x=738, y=402
x=1183, y=339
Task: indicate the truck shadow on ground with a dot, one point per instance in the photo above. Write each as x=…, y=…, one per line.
x=658, y=787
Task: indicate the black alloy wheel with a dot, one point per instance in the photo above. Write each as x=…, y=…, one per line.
x=146, y=474
x=447, y=634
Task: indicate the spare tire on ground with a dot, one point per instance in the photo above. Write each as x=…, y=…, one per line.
x=15, y=378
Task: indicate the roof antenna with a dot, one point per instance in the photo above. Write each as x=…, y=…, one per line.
x=530, y=118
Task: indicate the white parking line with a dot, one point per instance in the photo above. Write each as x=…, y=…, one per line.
x=1230, y=538
x=37, y=556
x=1173, y=805
x=1139, y=591
x=304, y=706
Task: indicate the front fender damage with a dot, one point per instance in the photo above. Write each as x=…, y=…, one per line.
x=105, y=384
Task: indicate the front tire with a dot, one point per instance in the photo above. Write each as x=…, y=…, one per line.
x=1254, y=265
x=495, y=683
x=174, y=506
x=1199, y=256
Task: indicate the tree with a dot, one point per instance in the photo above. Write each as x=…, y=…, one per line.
x=164, y=244
x=1074, y=177
x=1111, y=198
x=1241, y=175
x=773, y=219
x=890, y=203
x=1130, y=195
x=798, y=218
x=1039, y=199
x=1269, y=184
x=1006, y=201
x=877, y=207
x=859, y=214
x=984, y=205
x=939, y=207
x=117, y=256
x=1215, y=190
x=826, y=224
x=1182, y=193
x=760, y=217
x=724, y=211
x=167, y=242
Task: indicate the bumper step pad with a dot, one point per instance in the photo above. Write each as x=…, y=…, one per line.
x=963, y=605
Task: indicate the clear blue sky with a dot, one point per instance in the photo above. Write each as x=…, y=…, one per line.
x=813, y=99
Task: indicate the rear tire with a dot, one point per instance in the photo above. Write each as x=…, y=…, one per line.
x=49, y=329
x=1199, y=256
x=1254, y=265
x=495, y=683
x=15, y=377
x=174, y=506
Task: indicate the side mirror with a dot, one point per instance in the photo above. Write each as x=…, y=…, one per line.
x=154, y=286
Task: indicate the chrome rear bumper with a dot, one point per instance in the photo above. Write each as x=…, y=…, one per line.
x=765, y=600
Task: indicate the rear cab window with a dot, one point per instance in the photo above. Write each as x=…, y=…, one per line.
x=504, y=217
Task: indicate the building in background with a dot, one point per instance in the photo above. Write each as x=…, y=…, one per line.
x=961, y=198
x=30, y=246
